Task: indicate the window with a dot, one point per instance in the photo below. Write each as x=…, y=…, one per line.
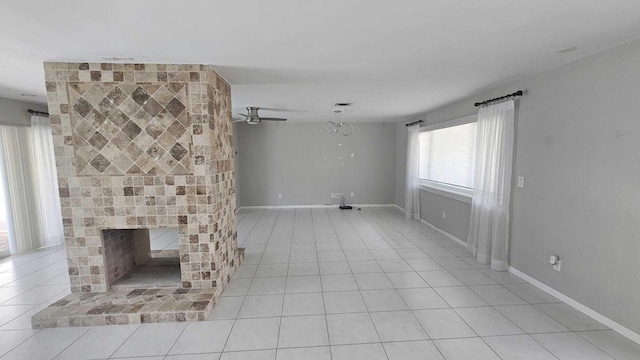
x=447, y=154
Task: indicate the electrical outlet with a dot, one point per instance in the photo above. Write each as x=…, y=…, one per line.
x=556, y=262
x=353, y=155
x=444, y=215
x=279, y=195
x=342, y=163
x=353, y=194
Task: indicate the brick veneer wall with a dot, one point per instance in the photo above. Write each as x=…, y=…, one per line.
x=144, y=146
x=124, y=250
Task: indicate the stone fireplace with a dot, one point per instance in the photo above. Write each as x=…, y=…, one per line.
x=138, y=147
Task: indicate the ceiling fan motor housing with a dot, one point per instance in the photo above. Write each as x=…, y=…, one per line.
x=252, y=117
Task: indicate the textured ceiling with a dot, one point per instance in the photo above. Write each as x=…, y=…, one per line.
x=391, y=58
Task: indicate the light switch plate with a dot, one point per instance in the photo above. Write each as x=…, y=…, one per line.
x=520, y=181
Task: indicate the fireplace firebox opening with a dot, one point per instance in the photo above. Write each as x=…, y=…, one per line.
x=132, y=264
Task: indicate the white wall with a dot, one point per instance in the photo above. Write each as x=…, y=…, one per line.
x=14, y=112
x=578, y=146
x=289, y=158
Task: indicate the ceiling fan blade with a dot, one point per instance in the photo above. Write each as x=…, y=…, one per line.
x=272, y=119
x=239, y=120
x=279, y=109
x=245, y=115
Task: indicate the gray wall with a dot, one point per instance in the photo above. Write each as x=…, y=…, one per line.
x=14, y=112
x=401, y=162
x=458, y=213
x=578, y=146
x=288, y=158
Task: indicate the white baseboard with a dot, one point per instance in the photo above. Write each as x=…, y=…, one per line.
x=312, y=206
x=399, y=207
x=372, y=205
x=286, y=206
x=463, y=243
x=622, y=330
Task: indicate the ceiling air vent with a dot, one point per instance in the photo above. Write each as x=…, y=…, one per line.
x=116, y=58
x=343, y=104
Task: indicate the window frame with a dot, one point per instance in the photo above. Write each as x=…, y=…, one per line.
x=447, y=190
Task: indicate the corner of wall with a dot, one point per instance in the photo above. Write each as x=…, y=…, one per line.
x=401, y=145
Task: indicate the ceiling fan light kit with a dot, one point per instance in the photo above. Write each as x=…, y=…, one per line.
x=343, y=128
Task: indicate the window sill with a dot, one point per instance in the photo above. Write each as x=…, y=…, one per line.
x=453, y=192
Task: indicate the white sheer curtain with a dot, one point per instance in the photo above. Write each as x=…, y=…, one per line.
x=489, y=229
x=44, y=163
x=32, y=199
x=412, y=188
x=22, y=202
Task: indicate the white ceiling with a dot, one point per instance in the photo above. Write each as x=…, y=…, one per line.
x=392, y=59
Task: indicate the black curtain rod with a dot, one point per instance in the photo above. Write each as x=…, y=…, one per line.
x=415, y=122
x=517, y=93
x=34, y=112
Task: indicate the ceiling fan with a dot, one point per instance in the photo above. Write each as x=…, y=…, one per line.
x=252, y=117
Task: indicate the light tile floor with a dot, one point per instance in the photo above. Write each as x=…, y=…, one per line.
x=323, y=284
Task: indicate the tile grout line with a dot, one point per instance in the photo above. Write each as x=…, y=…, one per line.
x=33, y=272
x=73, y=342
x=416, y=319
x=324, y=307
x=365, y=303
x=22, y=342
x=36, y=258
x=275, y=222
x=467, y=286
x=285, y=282
x=587, y=340
x=388, y=238
x=483, y=340
x=246, y=292
x=177, y=338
